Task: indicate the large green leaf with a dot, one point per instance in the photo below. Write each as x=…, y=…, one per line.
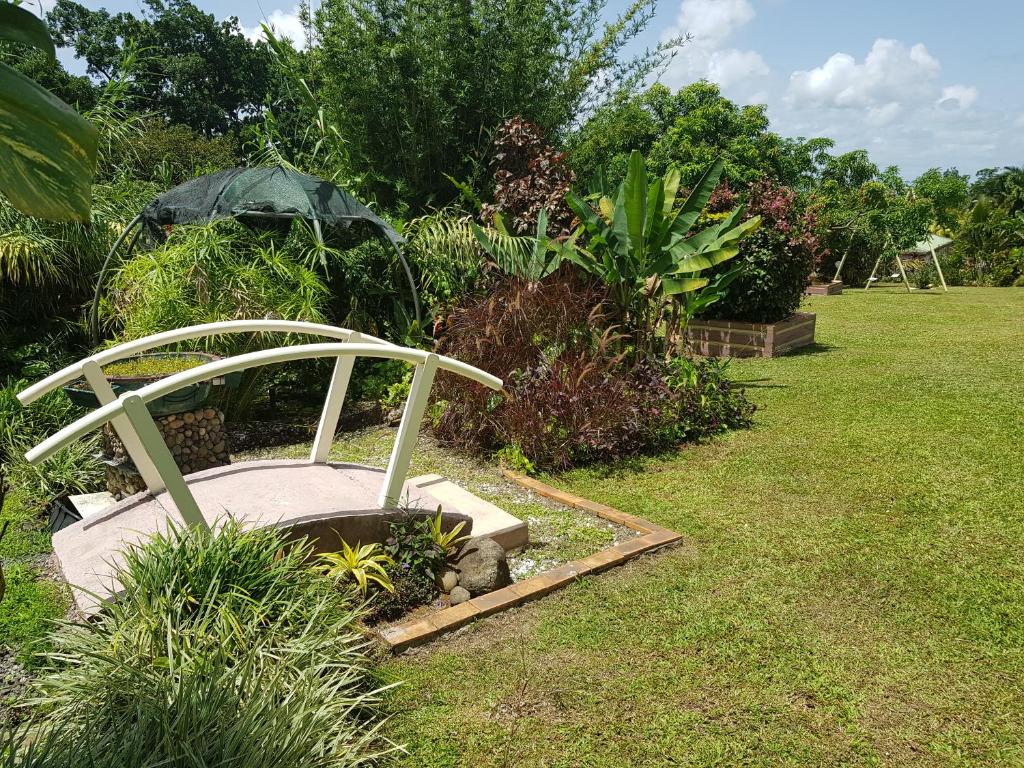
x=635, y=202
x=699, y=197
x=21, y=26
x=673, y=286
x=47, y=151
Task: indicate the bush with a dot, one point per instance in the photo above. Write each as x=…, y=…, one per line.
x=225, y=648
x=568, y=400
x=778, y=258
x=529, y=176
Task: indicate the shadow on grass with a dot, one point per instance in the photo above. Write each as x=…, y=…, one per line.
x=758, y=384
x=817, y=348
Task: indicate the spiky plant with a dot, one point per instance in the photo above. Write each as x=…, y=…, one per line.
x=225, y=648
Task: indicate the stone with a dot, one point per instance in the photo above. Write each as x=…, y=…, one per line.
x=459, y=595
x=209, y=413
x=449, y=580
x=482, y=566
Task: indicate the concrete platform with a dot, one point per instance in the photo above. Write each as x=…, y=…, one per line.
x=488, y=520
x=326, y=502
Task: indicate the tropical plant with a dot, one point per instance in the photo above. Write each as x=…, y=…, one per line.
x=224, y=648
x=49, y=150
x=448, y=541
x=530, y=178
x=364, y=564
x=775, y=262
x=644, y=247
x=529, y=258
x=413, y=547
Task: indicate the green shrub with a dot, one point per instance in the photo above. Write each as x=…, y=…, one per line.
x=226, y=648
x=777, y=260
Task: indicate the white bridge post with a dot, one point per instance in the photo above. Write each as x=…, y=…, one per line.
x=93, y=374
x=332, y=406
x=163, y=460
x=408, y=431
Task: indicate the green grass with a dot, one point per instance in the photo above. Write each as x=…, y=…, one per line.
x=32, y=599
x=851, y=593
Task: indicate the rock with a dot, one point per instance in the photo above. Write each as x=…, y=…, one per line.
x=209, y=413
x=189, y=418
x=482, y=566
x=459, y=595
x=449, y=580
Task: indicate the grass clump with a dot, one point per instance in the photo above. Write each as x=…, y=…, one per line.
x=153, y=366
x=225, y=648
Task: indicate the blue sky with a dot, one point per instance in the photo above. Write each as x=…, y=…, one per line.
x=917, y=83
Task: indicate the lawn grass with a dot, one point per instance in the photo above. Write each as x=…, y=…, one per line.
x=852, y=590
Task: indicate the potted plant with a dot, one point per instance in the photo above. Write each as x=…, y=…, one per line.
x=136, y=372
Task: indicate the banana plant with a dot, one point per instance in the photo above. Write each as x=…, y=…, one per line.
x=644, y=247
x=47, y=150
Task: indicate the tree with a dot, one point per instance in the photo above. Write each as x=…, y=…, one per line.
x=689, y=130
x=198, y=71
x=417, y=87
x=947, y=191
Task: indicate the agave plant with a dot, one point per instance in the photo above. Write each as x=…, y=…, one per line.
x=362, y=564
x=644, y=247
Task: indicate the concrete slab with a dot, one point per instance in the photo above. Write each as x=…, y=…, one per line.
x=92, y=504
x=488, y=520
x=326, y=502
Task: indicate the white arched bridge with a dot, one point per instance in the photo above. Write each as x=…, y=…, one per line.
x=310, y=497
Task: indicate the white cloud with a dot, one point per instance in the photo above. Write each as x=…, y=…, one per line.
x=710, y=24
x=284, y=23
x=890, y=73
x=957, y=97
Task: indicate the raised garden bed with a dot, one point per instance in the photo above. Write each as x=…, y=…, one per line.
x=732, y=338
x=824, y=289
x=137, y=372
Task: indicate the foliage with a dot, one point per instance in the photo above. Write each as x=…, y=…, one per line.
x=947, y=191
x=75, y=469
x=529, y=258
x=224, y=647
x=212, y=273
x=530, y=178
x=690, y=130
x=410, y=592
x=199, y=72
x=644, y=247
x=864, y=214
x=415, y=549
x=447, y=255
x=568, y=399
x=777, y=259
x=447, y=541
x=364, y=564
x=417, y=88
x=49, y=150
x=172, y=153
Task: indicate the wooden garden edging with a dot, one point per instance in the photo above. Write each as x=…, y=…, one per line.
x=824, y=289
x=732, y=338
x=416, y=631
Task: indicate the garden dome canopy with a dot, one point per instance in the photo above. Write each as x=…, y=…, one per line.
x=252, y=195
x=276, y=192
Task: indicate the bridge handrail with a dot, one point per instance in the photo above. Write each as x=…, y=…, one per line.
x=129, y=348
x=158, y=389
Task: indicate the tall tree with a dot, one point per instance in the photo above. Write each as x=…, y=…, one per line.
x=948, y=192
x=417, y=86
x=198, y=71
x=690, y=129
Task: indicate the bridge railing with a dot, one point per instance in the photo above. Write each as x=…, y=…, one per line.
x=138, y=431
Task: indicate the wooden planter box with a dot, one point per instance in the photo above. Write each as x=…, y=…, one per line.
x=731, y=338
x=824, y=289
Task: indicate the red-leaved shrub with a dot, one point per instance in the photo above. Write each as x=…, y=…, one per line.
x=529, y=175
x=568, y=398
